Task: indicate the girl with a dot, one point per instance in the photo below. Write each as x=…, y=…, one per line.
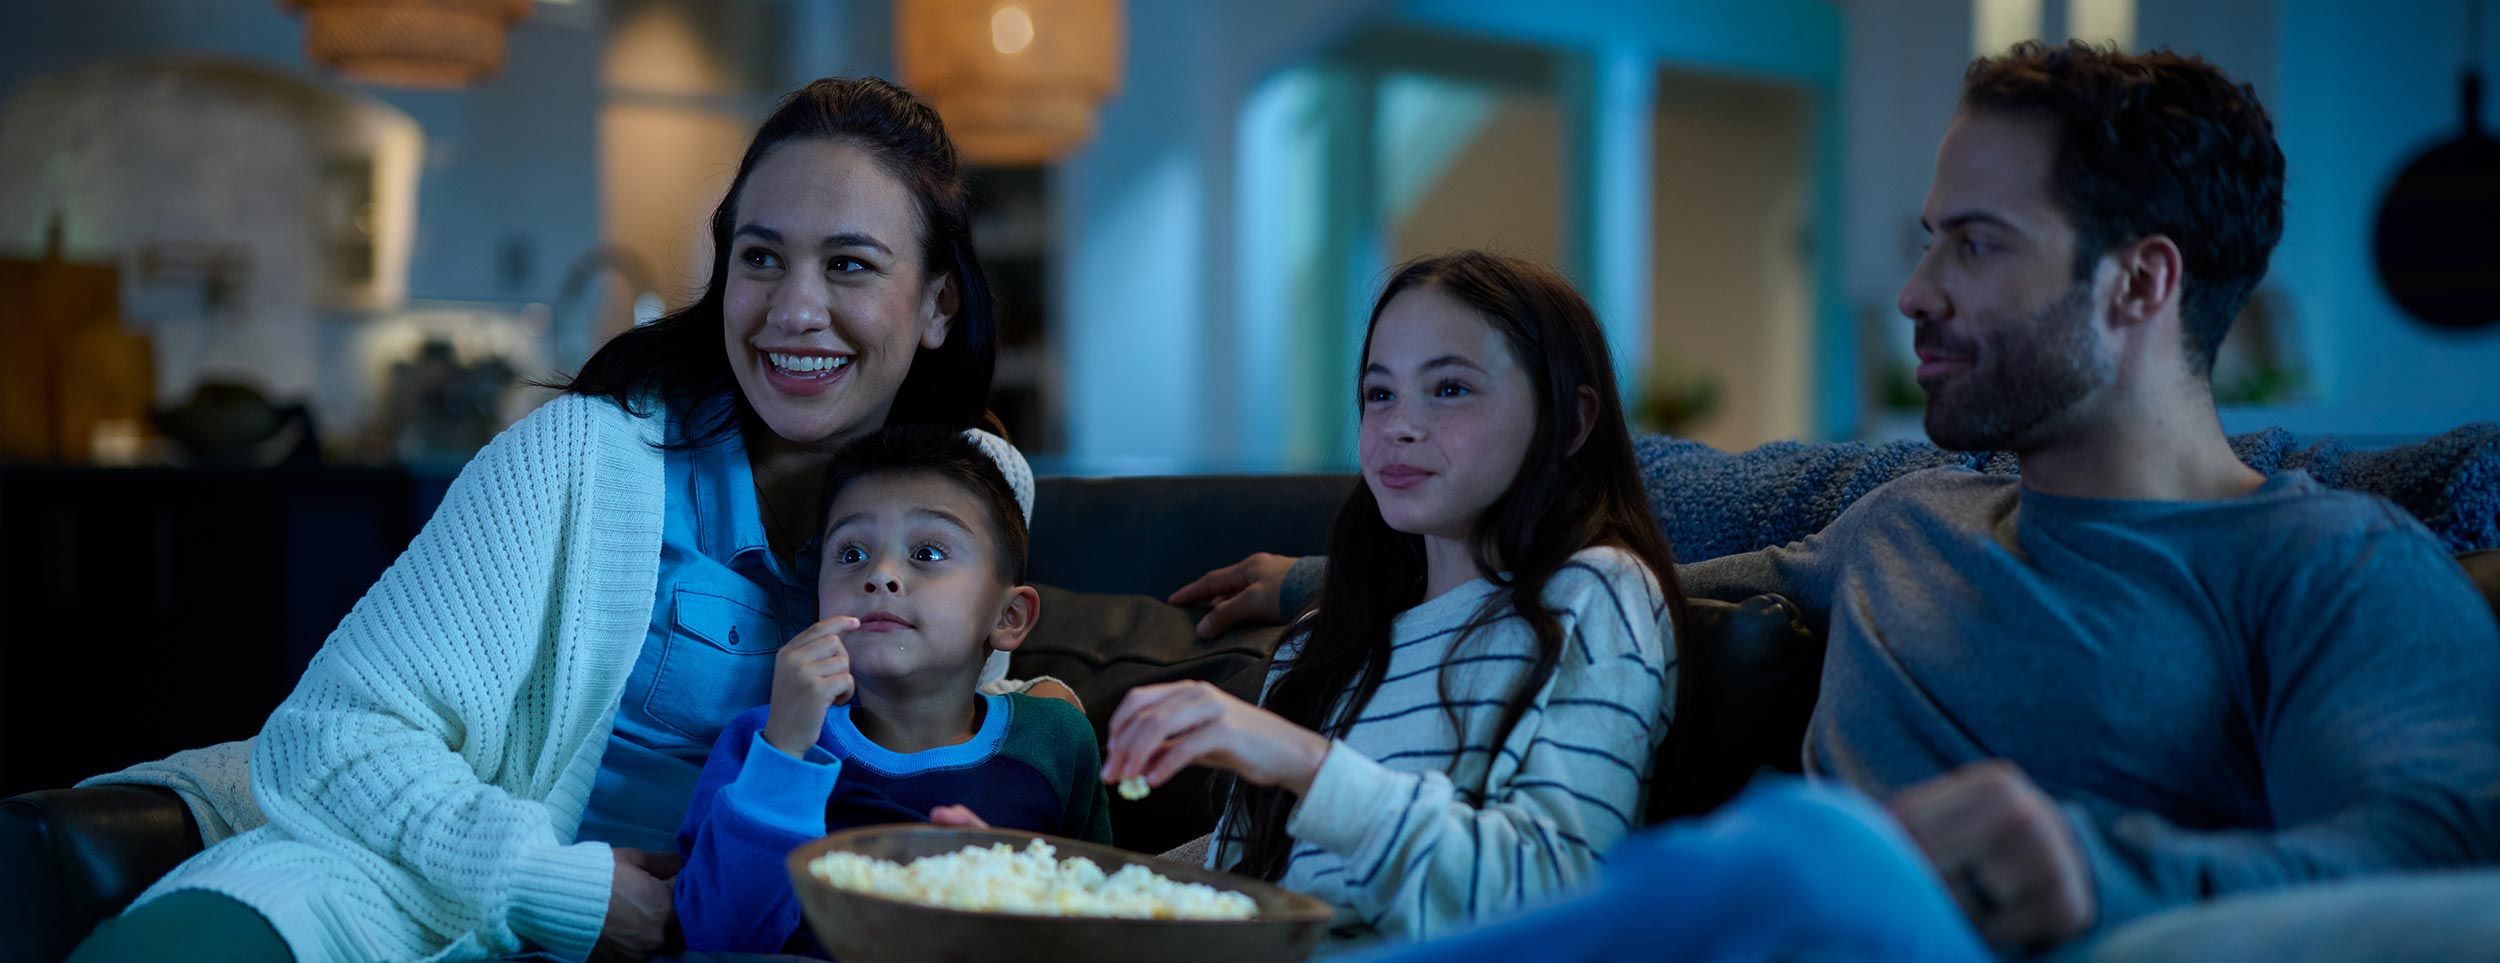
x=1466, y=720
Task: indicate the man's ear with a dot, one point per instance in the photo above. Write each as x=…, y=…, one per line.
x=1016, y=616
x=2151, y=273
x=938, y=305
x=1588, y=420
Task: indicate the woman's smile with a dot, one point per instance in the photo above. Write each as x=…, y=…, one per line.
x=803, y=373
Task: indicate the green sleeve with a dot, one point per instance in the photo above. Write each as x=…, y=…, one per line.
x=1056, y=738
x=1097, y=818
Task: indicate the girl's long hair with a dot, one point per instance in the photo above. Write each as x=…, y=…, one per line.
x=683, y=356
x=1562, y=501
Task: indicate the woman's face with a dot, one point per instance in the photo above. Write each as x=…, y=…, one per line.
x=826, y=303
x=1447, y=414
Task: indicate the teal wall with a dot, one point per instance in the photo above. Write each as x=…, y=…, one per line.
x=2364, y=88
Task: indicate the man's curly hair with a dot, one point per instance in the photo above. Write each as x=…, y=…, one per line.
x=2154, y=143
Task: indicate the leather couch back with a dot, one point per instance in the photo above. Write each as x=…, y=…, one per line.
x=1149, y=536
x=74, y=857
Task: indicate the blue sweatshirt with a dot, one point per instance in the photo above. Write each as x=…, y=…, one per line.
x=2228, y=696
x=1033, y=765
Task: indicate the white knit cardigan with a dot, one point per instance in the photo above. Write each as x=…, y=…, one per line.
x=422, y=785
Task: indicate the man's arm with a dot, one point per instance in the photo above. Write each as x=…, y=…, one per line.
x=2376, y=701
x=2371, y=682
x=1805, y=572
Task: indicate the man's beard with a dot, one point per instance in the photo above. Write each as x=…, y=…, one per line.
x=2029, y=377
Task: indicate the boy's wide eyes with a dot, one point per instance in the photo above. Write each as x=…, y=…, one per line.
x=925, y=552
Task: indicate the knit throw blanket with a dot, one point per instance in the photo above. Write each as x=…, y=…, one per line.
x=1715, y=503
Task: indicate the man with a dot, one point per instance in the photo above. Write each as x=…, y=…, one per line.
x=2141, y=675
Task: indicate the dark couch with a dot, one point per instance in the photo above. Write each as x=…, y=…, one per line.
x=1106, y=551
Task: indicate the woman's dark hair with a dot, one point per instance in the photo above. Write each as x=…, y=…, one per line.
x=682, y=357
x=1562, y=501
x=944, y=454
x=2155, y=143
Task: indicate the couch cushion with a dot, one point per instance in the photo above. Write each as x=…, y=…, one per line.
x=1104, y=645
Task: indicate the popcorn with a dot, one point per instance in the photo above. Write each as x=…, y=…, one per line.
x=999, y=879
x=1134, y=788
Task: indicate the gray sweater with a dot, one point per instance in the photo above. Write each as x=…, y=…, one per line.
x=2226, y=696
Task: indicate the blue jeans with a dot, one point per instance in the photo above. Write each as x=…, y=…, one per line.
x=1787, y=872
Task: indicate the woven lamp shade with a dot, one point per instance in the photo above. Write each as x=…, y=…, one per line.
x=1017, y=81
x=410, y=43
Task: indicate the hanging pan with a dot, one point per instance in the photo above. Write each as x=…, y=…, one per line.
x=2438, y=237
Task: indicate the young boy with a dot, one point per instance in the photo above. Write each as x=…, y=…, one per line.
x=874, y=717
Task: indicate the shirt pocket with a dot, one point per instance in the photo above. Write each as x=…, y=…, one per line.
x=718, y=662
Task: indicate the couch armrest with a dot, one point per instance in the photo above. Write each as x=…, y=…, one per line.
x=1747, y=675
x=2484, y=569
x=82, y=855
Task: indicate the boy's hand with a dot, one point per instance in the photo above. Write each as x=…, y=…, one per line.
x=812, y=672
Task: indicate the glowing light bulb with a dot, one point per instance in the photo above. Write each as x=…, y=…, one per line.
x=1011, y=28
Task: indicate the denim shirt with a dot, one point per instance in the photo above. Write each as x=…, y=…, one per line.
x=723, y=606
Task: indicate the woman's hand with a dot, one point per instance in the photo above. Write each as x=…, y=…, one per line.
x=639, y=907
x=811, y=673
x=1161, y=729
x=1243, y=593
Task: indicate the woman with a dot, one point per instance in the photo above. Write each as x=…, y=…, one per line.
x=540, y=675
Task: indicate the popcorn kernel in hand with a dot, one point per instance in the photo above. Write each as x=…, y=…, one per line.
x=1134, y=788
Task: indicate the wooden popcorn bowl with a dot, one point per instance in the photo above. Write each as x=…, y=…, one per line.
x=860, y=928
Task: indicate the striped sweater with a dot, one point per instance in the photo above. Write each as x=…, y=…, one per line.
x=1411, y=830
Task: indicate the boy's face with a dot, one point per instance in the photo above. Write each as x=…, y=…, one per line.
x=913, y=558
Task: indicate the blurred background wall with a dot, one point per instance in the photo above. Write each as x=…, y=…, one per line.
x=1734, y=185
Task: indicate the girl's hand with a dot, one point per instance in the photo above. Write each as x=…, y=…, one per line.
x=812, y=672
x=1161, y=729
x=1243, y=593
